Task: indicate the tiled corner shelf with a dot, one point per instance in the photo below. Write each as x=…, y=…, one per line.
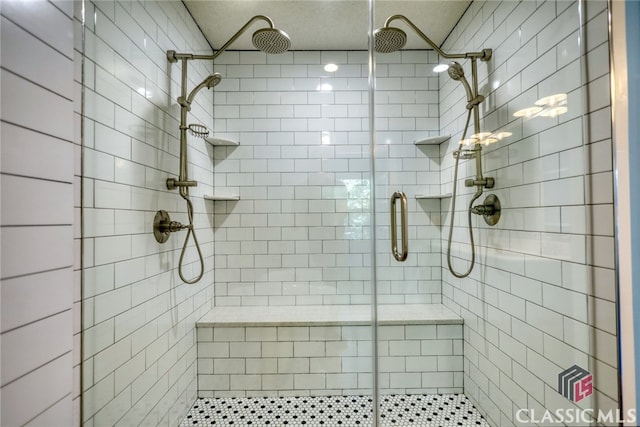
x=432, y=196
x=432, y=140
x=221, y=141
x=216, y=198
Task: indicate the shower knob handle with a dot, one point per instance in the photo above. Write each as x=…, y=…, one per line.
x=163, y=226
x=173, y=226
x=490, y=209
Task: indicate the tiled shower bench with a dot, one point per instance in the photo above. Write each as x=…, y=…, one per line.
x=326, y=350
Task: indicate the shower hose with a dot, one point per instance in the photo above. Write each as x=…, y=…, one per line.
x=190, y=231
x=453, y=209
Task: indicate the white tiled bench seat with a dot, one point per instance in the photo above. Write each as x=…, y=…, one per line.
x=326, y=350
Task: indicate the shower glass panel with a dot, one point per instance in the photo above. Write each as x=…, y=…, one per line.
x=299, y=238
x=527, y=330
x=283, y=215
x=420, y=345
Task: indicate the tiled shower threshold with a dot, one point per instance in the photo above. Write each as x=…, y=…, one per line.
x=433, y=410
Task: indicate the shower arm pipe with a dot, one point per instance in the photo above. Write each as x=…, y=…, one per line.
x=173, y=56
x=484, y=55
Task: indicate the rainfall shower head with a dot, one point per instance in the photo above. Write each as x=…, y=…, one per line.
x=271, y=40
x=268, y=40
x=456, y=72
x=389, y=39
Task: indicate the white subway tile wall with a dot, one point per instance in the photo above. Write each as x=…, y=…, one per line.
x=300, y=234
x=541, y=298
x=38, y=131
x=328, y=360
x=542, y=295
x=139, y=319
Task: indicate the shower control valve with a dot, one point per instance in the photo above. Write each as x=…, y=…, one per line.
x=490, y=209
x=163, y=226
x=486, y=182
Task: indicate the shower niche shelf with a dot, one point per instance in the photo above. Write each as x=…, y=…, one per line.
x=432, y=140
x=432, y=196
x=221, y=141
x=219, y=198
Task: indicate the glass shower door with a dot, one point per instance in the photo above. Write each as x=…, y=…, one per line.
x=531, y=328
x=420, y=363
x=283, y=220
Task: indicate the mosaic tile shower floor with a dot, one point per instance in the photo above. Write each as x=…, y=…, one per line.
x=444, y=410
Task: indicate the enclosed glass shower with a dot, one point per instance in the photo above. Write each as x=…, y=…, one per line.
x=341, y=192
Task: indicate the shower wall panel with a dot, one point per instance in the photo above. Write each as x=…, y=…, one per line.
x=300, y=234
x=139, y=364
x=541, y=297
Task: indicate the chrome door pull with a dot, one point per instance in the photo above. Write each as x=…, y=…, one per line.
x=394, y=226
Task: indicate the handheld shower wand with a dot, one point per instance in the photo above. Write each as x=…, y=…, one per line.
x=456, y=72
x=491, y=207
x=183, y=183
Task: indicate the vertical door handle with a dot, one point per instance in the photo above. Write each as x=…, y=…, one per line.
x=400, y=256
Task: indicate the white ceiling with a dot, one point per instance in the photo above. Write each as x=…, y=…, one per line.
x=324, y=24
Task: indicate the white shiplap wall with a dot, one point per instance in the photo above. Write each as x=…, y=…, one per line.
x=37, y=215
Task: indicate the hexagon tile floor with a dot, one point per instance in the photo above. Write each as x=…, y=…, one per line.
x=442, y=410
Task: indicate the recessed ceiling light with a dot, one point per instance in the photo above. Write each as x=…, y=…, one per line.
x=440, y=68
x=468, y=141
x=501, y=135
x=331, y=68
x=527, y=112
x=489, y=140
x=553, y=100
x=480, y=135
x=553, y=111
